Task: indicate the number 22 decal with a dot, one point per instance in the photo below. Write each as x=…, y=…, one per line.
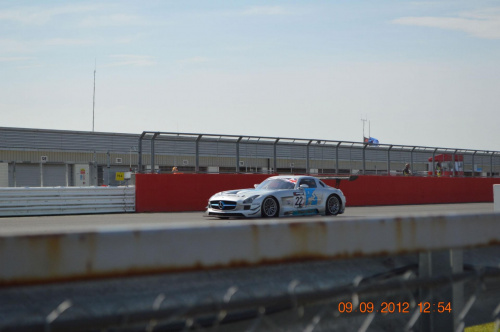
x=299, y=200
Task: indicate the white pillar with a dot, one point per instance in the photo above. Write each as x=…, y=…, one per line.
x=496, y=197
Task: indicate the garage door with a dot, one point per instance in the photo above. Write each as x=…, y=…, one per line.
x=28, y=175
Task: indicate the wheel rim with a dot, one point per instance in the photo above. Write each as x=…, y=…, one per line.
x=270, y=207
x=333, y=205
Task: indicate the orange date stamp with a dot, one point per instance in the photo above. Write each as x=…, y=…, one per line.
x=394, y=307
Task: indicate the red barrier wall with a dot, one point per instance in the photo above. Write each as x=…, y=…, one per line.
x=186, y=192
x=190, y=192
x=399, y=190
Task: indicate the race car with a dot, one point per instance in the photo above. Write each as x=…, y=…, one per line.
x=279, y=196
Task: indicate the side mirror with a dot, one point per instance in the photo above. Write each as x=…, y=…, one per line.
x=302, y=186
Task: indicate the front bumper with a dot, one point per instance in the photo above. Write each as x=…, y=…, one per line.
x=227, y=208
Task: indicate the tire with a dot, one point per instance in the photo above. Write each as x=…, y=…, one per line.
x=333, y=205
x=270, y=208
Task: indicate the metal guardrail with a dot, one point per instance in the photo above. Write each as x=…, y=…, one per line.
x=237, y=152
x=170, y=248
x=66, y=200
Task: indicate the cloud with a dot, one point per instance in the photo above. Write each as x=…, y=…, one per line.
x=114, y=20
x=483, y=24
x=196, y=59
x=14, y=46
x=132, y=60
x=67, y=42
x=16, y=59
x=39, y=16
x=265, y=11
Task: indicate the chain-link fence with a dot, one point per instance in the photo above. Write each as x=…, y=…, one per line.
x=226, y=153
x=364, y=294
x=418, y=273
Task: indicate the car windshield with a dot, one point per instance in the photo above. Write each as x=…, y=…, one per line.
x=276, y=184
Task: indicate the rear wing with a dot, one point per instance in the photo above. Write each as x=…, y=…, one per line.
x=338, y=179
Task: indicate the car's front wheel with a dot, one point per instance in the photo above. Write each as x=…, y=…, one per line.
x=270, y=208
x=333, y=205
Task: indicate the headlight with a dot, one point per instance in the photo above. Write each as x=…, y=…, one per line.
x=250, y=199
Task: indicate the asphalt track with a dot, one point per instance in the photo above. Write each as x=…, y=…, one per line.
x=78, y=223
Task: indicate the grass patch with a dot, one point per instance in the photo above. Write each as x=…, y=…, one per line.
x=481, y=328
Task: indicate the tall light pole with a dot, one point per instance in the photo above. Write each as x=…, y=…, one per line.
x=93, y=104
x=364, y=120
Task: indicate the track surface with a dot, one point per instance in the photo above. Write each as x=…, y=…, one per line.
x=75, y=223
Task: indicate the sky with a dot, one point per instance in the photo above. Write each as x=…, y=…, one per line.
x=423, y=73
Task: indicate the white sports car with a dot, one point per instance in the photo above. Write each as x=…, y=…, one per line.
x=279, y=196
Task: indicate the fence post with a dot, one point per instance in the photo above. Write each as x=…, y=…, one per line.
x=238, y=154
x=139, y=163
x=389, y=160
x=491, y=164
x=435, y=264
x=307, y=157
x=337, y=158
x=197, y=154
x=364, y=158
x=411, y=159
x=153, y=152
x=432, y=163
x=454, y=163
x=274, y=156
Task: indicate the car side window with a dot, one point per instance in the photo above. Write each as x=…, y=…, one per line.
x=309, y=182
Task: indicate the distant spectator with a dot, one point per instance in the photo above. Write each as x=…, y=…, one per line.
x=439, y=169
x=174, y=169
x=407, y=171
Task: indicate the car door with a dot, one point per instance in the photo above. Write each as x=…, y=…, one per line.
x=310, y=194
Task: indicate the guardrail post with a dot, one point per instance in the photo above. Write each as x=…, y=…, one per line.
x=435, y=264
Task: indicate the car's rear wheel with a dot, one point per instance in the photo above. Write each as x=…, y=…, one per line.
x=270, y=207
x=333, y=205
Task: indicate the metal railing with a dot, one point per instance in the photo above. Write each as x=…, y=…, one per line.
x=65, y=200
x=235, y=153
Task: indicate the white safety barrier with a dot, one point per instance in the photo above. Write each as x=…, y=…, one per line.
x=496, y=197
x=47, y=257
x=66, y=200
